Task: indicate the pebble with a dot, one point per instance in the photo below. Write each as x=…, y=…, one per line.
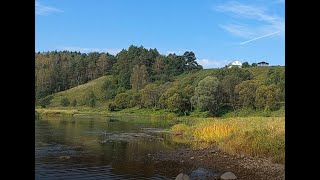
x=182, y=176
x=228, y=176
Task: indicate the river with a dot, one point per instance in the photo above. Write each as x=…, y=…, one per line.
x=86, y=147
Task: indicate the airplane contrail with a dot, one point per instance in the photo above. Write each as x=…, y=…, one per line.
x=259, y=38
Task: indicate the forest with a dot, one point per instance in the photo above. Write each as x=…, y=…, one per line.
x=145, y=79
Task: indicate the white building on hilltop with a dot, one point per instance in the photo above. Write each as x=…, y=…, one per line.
x=235, y=64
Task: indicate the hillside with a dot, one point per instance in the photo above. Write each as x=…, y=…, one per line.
x=79, y=92
x=178, y=87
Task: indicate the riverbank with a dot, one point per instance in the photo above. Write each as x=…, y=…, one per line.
x=102, y=112
x=219, y=162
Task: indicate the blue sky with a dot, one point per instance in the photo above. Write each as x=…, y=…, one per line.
x=217, y=31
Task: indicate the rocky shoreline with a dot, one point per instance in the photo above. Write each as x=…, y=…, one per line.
x=220, y=162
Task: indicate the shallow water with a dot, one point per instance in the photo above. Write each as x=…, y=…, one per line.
x=103, y=148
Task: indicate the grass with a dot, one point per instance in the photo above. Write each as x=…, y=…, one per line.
x=253, y=136
x=56, y=112
x=180, y=129
x=248, y=112
x=261, y=73
x=37, y=115
x=78, y=93
x=102, y=110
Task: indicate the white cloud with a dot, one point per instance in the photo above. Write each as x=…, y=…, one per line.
x=45, y=10
x=87, y=50
x=238, y=30
x=268, y=23
x=206, y=63
x=112, y=51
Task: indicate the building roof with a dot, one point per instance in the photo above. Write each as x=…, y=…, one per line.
x=235, y=63
x=262, y=62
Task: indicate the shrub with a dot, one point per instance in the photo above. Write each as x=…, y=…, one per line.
x=111, y=106
x=74, y=103
x=64, y=102
x=44, y=102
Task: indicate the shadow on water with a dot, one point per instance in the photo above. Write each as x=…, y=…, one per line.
x=104, y=148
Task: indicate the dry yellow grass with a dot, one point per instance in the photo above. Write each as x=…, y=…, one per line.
x=254, y=136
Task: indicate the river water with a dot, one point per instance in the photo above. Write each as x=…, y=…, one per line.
x=102, y=148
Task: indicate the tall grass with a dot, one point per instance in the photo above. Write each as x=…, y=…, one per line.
x=253, y=136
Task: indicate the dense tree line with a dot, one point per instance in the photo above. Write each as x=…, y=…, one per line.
x=144, y=78
x=223, y=90
x=132, y=68
x=58, y=71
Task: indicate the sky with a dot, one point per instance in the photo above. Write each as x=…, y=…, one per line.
x=217, y=31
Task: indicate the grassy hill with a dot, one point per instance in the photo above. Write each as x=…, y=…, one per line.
x=79, y=92
x=261, y=73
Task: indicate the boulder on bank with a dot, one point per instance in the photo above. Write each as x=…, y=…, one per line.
x=228, y=175
x=182, y=176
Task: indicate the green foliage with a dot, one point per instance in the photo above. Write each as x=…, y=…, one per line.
x=44, y=102
x=254, y=64
x=121, y=100
x=74, y=103
x=150, y=96
x=135, y=99
x=109, y=88
x=190, y=61
x=243, y=74
x=268, y=97
x=228, y=85
x=179, y=129
x=166, y=95
x=58, y=71
x=205, y=96
x=202, y=114
x=92, y=103
x=245, y=65
x=80, y=92
x=65, y=102
x=37, y=115
x=276, y=76
x=111, y=106
x=89, y=99
x=174, y=102
x=139, y=77
x=142, y=78
x=246, y=91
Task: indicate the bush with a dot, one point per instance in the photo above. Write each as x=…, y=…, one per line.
x=89, y=99
x=74, y=103
x=111, y=106
x=37, y=115
x=92, y=102
x=121, y=100
x=202, y=114
x=44, y=102
x=64, y=102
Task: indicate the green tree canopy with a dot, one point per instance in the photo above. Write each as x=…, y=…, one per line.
x=245, y=65
x=205, y=96
x=246, y=91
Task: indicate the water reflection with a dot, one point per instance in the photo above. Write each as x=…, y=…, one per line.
x=102, y=148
